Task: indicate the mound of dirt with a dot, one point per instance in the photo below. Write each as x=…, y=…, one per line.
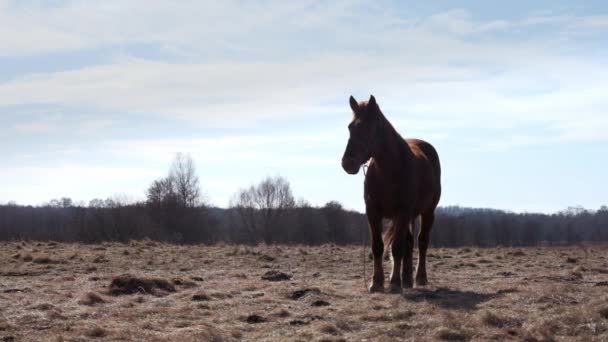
x=320, y=303
x=199, y=297
x=128, y=284
x=254, y=318
x=299, y=294
x=276, y=276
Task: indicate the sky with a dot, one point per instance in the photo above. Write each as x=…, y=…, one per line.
x=96, y=97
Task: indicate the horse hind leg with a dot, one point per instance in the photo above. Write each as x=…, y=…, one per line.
x=423, y=244
x=407, y=278
x=397, y=249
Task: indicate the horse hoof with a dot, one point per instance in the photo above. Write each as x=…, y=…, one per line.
x=395, y=289
x=421, y=282
x=408, y=284
x=374, y=288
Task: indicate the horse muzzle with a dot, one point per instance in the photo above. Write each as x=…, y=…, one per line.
x=350, y=166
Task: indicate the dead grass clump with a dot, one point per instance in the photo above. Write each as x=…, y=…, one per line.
x=448, y=334
x=577, y=273
x=221, y=295
x=266, y=258
x=127, y=284
x=44, y=260
x=282, y=313
x=276, y=276
x=348, y=325
x=571, y=260
x=604, y=312
x=96, y=332
x=389, y=316
x=100, y=259
x=90, y=299
x=517, y=253
x=494, y=320
x=320, y=303
x=329, y=329
x=4, y=326
x=377, y=318
x=200, y=297
x=44, y=307
x=299, y=294
x=28, y=258
x=184, y=282
x=255, y=318
x=403, y=315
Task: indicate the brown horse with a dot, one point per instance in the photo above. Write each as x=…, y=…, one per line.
x=402, y=183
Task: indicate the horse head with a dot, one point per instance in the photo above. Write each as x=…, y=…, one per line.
x=364, y=131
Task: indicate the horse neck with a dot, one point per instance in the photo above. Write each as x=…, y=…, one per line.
x=391, y=148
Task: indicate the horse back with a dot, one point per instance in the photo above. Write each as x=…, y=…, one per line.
x=429, y=171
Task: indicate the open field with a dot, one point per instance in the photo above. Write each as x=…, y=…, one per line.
x=73, y=292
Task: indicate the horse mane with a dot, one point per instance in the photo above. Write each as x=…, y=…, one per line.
x=393, y=139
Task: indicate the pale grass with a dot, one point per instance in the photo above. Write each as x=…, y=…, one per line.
x=61, y=292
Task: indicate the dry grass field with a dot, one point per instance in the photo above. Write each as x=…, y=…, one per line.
x=148, y=291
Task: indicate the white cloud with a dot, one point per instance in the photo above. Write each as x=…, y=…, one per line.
x=416, y=66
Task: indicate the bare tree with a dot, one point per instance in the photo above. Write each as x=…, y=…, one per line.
x=260, y=207
x=161, y=193
x=185, y=181
x=180, y=188
x=177, y=204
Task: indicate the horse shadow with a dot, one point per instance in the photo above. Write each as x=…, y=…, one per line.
x=451, y=299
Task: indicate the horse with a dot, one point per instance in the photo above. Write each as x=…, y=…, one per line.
x=402, y=182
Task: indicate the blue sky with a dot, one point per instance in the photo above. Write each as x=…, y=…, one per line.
x=96, y=97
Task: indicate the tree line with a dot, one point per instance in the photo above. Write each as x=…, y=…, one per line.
x=267, y=212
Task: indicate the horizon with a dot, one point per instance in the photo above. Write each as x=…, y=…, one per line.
x=95, y=102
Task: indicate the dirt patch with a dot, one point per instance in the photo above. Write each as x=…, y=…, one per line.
x=255, y=318
x=447, y=334
x=320, y=303
x=44, y=260
x=299, y=294
x=126, y=284
x=276, y=276
x=200, y=297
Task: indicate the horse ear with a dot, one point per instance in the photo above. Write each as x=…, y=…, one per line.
x=353, y=104
x=372, y=101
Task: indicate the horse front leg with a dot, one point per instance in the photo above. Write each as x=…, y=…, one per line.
x=375, y=227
